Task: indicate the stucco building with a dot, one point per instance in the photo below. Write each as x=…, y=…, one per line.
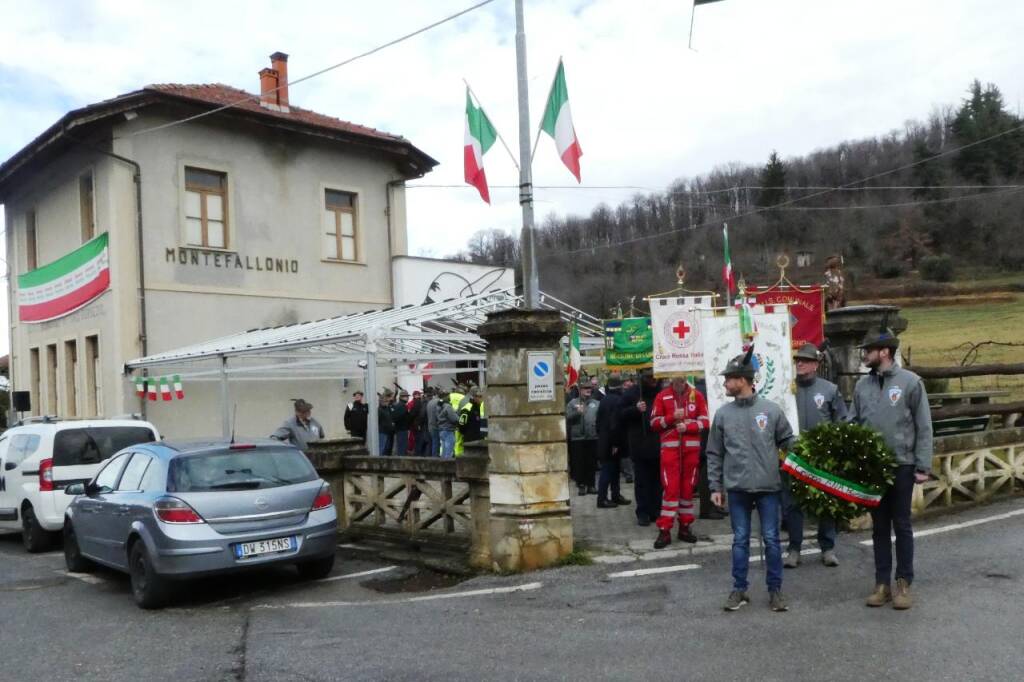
x=253, y=213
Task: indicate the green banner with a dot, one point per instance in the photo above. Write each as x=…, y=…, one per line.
x=629, y=343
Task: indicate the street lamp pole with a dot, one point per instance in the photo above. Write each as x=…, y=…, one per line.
x=531, y=286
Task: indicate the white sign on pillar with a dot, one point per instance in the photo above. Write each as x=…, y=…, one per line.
x=540, y=373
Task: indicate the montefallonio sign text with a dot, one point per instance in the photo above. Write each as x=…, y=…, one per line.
x=234, y=261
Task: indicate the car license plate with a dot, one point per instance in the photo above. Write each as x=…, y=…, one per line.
x=244, y=550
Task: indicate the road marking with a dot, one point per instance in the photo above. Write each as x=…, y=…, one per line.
x=84, y=577
x=958, y=526
x=358, y=575
x=803, y=552
x=408, y=600
x=653, y=571
x=349, y=545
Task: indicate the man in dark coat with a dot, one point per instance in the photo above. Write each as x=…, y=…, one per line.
x=611, y=443
x=356, y=415
x=644, y=447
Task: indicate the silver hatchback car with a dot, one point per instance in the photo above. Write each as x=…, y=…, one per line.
x=164, y=512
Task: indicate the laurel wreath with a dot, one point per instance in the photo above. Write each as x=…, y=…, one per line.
x=855, y=453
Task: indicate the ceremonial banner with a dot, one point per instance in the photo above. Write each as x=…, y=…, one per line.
x=65, y=285
x=720, y=329
x=628, y=343
x=675, y=323
x=806, y=310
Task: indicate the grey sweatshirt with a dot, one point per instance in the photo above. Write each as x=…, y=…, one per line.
x=744, y=443
x=447, y=419
x=894, y=403
x=298, y=434
x=818, y=401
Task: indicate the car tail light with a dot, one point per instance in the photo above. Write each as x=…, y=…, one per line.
x=323, y=498
x=241, y=446
x=46, y=476
x=173, y=510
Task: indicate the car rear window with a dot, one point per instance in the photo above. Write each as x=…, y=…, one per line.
x=239, y=470
x=92, y=445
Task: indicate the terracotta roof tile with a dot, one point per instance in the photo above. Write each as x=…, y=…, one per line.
x=219, y=95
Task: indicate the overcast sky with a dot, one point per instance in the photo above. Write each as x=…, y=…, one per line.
x=791, y=75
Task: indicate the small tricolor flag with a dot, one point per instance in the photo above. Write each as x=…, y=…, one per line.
x=575, y=358
x=167, y=388
x=151, y=389
x=727, y=275
x=557, y=123
x=179, y=392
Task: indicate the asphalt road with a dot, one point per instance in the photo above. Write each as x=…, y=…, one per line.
x=565, y=624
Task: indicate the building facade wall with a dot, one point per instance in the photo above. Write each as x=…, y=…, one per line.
x=273, y=271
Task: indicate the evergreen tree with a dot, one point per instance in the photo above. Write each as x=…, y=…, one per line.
x=773, y=182
x=981, y=116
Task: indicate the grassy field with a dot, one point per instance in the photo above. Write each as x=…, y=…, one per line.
x=935, y=332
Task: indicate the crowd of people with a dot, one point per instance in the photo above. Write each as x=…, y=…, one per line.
x=675, y=452
x=732, y=463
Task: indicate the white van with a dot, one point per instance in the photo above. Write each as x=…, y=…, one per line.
x=41, y=457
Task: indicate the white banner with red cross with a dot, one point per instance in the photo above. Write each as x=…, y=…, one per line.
x=675, y=323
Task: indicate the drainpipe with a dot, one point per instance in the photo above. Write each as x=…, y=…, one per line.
x=137, y=178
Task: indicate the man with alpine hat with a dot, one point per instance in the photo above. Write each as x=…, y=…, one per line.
x=817, y=401
x=743, y=461
x=893, y=402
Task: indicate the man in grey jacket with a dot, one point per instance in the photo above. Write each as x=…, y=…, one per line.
x=435, y=440
x=447, y=423
x=743, y=459
x=817, y=401
x=893, y=401
x=301, y=429
x=581, y=418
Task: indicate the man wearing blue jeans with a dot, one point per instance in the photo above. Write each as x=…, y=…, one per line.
x=743, y=460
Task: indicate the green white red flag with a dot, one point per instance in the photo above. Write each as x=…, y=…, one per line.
x=480, y=135
x=557, y=123
x=830, y=483
x=575, y=358
x=65, y=285
x=727, y=275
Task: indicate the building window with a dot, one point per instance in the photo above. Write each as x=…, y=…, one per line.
x=51, y=379
x=206, y=208
x=34, y=387
x=31, y=251
x=92, y=371
x=85, y=198
x=70, y=379
x=339, y=227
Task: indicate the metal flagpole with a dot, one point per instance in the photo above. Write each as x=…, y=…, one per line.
x=531, y=286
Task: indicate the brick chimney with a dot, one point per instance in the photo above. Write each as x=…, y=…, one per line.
x=274, y=83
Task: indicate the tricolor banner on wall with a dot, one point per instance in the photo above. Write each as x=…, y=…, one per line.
x=675, y=323
x=166, y=387
x=65, y=285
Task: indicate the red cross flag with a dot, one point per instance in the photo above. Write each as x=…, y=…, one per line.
x=675, y=323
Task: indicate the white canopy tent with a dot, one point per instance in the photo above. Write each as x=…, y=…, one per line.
x=353, y=346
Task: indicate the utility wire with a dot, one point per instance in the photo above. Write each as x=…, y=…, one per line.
x=386, y=45
x=720, y=191
x=712, y=223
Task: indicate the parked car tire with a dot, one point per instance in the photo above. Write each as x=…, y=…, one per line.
x=150, y=590
x=317, y=568
x=33, y=536
x=73, y=559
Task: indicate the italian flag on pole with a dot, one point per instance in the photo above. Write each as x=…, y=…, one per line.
x=575, y=359
x=480, y=135
x=727, y=276
x=557, y=123
x=65, y=285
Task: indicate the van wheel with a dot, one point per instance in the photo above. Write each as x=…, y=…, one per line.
x=73, y=559
x=33, y=536
x=316, y=569
x=149, y=589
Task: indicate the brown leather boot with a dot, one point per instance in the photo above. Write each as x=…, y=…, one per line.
x=880, y=597
x=901, y=595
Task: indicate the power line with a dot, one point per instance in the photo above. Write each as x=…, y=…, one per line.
x=794, y=200
x=721, y=191
x=386, y=45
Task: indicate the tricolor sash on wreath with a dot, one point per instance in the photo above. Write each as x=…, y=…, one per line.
x=830, y=483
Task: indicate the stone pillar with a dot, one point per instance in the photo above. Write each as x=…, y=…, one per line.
x=530, y=526
x=845, y=328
